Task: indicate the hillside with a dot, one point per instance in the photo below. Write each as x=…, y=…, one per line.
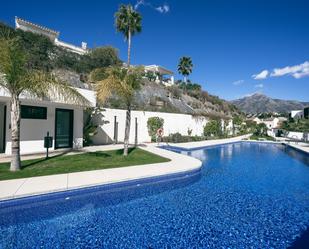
x=259, y=103
x=75, y=69
x=157, y=97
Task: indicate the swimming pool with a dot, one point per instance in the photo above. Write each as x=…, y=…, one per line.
x=246, y=195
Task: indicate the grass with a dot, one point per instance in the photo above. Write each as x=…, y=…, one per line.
x=61, y=164
x=255, y=137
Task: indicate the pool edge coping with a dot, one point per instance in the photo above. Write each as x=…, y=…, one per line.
x=178, y=164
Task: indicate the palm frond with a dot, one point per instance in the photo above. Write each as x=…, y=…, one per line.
x=42, y=84
x=120, y=81
x=128, y=20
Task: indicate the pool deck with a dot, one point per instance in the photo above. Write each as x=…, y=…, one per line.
x=16, y=188
x=199, y=144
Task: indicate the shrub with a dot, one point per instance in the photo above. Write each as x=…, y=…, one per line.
x=212, y=128
x=151, y=76
x=153, y=124
x=260, y=130
x=178, y=138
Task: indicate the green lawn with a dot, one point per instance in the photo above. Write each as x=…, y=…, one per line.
x=269, y=138
x=81, y=162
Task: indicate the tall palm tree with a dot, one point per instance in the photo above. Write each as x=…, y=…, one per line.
x=124, y=83
x=17, y=77
x=185, y=67
x=129, y=22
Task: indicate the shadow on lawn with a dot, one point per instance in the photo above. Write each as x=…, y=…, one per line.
x=130, y=150
x=34, y=162
x=96, y=153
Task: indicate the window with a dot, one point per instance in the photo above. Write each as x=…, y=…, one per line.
x=33, y=112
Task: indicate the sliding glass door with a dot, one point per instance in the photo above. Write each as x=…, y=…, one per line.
x=64, y=129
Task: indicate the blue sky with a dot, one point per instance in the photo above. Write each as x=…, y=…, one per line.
x=229, y=41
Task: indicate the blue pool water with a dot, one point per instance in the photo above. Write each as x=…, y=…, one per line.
x=246, y=196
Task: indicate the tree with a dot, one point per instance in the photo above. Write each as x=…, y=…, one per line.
x=104, y=57
x=237, y=121
x=260, y=130
x=153, y=124
x=129, y=22
x=151, y=76
x=212, y=128
x=185, y=67
x=19, y=77
x=124, y=83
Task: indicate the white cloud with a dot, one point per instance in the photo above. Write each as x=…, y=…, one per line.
x=261, y=76
x=238, y=82
x=297, y=71
x=138, y=3
x=259, y=86
x=165, y=8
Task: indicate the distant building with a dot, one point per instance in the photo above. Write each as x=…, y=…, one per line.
x=297, y=114
x=51, y=34
x=271, y=123
x=163, y=75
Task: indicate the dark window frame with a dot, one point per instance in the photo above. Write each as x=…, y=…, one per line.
x=28, y=115
x=71, y=123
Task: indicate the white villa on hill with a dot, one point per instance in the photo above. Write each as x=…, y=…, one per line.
x=163, y=75
x=51, y=34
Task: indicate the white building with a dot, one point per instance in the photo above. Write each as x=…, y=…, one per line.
x=163, y=75
x=271, y=123
x=51, y=34
x=63, y=121
x=297, y=114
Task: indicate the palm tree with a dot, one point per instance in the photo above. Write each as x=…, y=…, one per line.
x=129, y=22
x=17, y=77
x=185, y=67
x=124, y=83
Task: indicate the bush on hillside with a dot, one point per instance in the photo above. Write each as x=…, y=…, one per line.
x=43, y=54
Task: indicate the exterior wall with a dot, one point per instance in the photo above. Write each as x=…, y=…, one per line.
x=297, y=135
x=33, y=131
x=297, y=114
x=257, y=120
x=172, y=123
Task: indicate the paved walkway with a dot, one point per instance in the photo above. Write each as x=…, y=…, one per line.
x=300, y=146
x=46, y=184
x=192, y=145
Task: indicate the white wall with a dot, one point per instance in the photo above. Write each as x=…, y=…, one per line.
x=295, y=135
x=172, y=123
x=33, y=131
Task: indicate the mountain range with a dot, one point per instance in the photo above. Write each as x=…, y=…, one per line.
x=260, y=103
